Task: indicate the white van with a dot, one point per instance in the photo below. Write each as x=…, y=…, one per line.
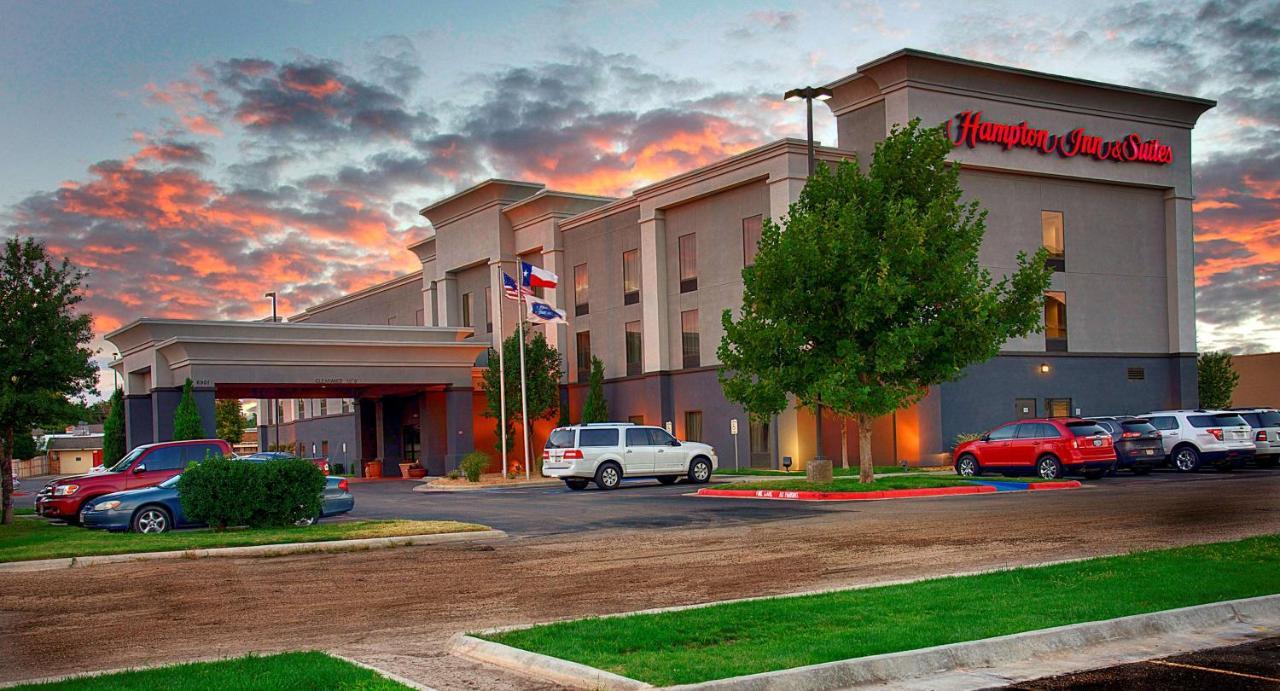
x=605, y=453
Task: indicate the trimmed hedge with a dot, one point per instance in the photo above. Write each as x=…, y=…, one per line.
x=225, y=492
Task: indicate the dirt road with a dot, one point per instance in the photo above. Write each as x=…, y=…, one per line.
x=397, y=608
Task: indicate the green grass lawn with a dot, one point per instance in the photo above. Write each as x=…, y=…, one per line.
x=24, y=511
x=285, y=671
x=745, y=638
x=852, y=484
x=37, y=539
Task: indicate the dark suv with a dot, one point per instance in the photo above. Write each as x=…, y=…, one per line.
x=1137, y=442
x=146, y=466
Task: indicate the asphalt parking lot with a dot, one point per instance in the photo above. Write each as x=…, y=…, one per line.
x=1236, y=668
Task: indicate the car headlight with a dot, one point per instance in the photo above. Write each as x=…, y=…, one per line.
x=107, y=505
x=65, y=490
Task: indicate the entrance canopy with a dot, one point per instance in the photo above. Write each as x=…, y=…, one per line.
x=281, y=360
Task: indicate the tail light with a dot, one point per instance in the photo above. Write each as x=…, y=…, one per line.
x=546, y=455
x=573, y=455
x=343, y=485
x=325, y=468
x=1260, y=436
x=1216, y=432
x=1130, y=435
x=1075, y=442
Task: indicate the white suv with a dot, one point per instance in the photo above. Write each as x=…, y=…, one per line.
x=1266, y=434
x=1193, y=437
x=605, y=453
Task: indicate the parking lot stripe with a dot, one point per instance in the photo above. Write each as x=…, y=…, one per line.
x=1198, y=668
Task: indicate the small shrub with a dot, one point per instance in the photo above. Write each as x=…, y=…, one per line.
x=292, y=488
x=474, y=464
x=224, y=492
x=453, y=474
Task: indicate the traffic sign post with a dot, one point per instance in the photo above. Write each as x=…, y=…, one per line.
x=733, y=429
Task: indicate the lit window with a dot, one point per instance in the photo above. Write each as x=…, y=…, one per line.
x=689, y=338
x=634, y=348
x=1055, y=321
x=580, y=304
x=324, y=406
x=693, y=425
x=1052, y=231
x=298, y=410
x=751, y=228
x=630, y=277
x=688, y=247
x=584, y=355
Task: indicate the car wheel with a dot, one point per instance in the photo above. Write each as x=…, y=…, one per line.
x=668, y=479
x=576, y=484
x=1186, y=459
x=1048, y=468
x=608, y=476
x=967, y=466
x=79, y=519
x=1141, y=470
x=152, y=519
x=699, y=471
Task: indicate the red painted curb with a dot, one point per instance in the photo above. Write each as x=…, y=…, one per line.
x=845, y=496
x=1070, y=484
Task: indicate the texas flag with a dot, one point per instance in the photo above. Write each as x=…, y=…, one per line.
x=543, y=312
x=536, y=277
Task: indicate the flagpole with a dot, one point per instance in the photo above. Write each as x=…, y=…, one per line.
x=502, y=372
x=524, y=399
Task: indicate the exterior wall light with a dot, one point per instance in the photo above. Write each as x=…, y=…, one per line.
x=1044, y=368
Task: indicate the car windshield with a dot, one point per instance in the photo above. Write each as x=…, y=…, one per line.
x=1085, y=429
x=1270, y=418
x=560, y=439
x=1217, y=420
x=127, y=461
x=171, y=482
x=1141, y=426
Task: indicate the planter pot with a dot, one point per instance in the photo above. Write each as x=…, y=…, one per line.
x=404, y=469
x=373, y=469
x=417, y=471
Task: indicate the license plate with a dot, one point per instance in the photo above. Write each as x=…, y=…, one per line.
x=1097, y=442
x=1150, y=452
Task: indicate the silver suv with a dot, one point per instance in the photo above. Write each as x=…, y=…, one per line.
x=1266, y=434
x=605, y=453
x=1220, y=438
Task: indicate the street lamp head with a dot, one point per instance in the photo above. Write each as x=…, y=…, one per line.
x=793, y=95
x=822, y=93
x=272, y=294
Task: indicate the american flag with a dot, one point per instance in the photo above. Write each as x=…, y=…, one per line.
x=512, y=289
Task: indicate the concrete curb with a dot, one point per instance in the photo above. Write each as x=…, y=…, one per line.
x=253, y=550
x=801, y=495
x=1259, y=612
x=545, y=667
x=381, y=672
x=427, y=488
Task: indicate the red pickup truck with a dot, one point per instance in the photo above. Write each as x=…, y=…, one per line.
x=146, y=466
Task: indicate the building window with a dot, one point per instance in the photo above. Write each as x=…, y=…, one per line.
x=298, y=411
x=279, y=411
x=688, y=246
x=630, y=277
x=1055, y=321
x=1057, y=407
x=324, y=406
x=758, y=444
x=751, y=228
x=693, y=425
x=634, y=344
x=1052, y=230
x=584, y=355
x=419, y=318
x=488, y=309
x=580, y=284
x=346, y=405
x=324, y=448
x=466, y=309
x=635, y=419
x=689, y=338
x=1024, y=408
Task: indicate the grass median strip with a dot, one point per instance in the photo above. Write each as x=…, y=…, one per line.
x=852, y=485
x=838, y=472
x=734, y=639
x=308, y=670
x=34, y=539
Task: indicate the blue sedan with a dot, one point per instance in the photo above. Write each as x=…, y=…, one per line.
x=157, y=509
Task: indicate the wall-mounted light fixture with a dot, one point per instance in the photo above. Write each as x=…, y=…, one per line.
x=1044, y=368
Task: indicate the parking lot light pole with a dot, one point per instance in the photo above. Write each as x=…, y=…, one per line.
x=809, y=94
x=272, y=415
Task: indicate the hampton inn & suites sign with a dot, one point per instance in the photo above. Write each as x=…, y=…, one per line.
x=969, y=128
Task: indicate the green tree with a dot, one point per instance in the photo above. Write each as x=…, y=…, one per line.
x=186, y=417
x=114, y=446
x=44, y=347
x=874, y=292
x=1218, y=379
x=596, y=408
x=542, y=381
x=24, y=446
x=230, y=420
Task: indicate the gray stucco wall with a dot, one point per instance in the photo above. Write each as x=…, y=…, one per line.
x=400, y=305
x=600, y=245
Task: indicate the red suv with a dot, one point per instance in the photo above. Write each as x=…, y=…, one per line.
x=145, y=466
x=1044, y=447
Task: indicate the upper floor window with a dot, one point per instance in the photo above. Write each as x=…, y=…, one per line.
x=688, y=248
x=488, y=309
x=630, y=277
x=1055, y=321
x=690, y=345
x=580, y=285
x=751, y=228
x=634, y=346
x=466, y=309
x=584, y=355
x=1051, y=229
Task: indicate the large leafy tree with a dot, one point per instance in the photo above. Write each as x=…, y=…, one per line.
x=114, y=446
x=186, y=417
x=542, y=381
x=1218, y=379
x=230, y=420
x=595, y=408
x=44, y=347
x=874, y=292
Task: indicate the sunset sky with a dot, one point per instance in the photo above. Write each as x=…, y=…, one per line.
x=192, y=156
